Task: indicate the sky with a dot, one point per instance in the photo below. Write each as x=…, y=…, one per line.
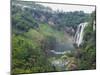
x=66, y=8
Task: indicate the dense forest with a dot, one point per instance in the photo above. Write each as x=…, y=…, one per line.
x=42, y=39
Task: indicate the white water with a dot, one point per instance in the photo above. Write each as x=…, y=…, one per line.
x=79, y=34
x=59, y=62
x=55, y=52
x=94, y=25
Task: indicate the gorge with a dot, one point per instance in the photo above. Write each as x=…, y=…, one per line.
x=46, y=40
x=78, y=39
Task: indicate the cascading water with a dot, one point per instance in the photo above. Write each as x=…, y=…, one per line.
x=94, y=25
x=79, y=34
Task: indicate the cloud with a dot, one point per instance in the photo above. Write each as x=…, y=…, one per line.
x=67, y=8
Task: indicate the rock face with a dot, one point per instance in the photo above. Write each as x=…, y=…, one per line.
x=79, y=34
x=70, y=30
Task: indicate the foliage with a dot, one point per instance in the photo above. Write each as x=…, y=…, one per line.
x=27, y=56
x=37, y=29
x=88, y=58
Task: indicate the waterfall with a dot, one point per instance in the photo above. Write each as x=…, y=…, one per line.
x=94, y=26
x=79, y=34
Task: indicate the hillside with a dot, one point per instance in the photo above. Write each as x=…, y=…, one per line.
x=43, y=39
